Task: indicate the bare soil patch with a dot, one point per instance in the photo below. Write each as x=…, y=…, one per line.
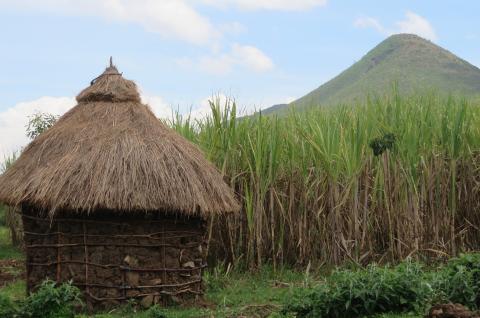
x=451, y=311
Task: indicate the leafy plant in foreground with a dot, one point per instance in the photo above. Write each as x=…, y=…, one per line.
x=156, y=312
x=407, y=287
x=7, y=307
x=51, y=301
x=355, y=293
x=459, y=281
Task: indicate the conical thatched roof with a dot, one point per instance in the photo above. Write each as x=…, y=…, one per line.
x=111, y=152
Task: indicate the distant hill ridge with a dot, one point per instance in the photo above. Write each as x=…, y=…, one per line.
x=409, y=60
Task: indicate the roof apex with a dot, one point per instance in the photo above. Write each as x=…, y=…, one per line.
x=110, y=86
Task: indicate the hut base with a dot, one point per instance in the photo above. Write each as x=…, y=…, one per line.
x=113, y=258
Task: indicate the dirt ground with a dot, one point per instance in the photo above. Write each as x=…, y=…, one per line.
x=451, y=311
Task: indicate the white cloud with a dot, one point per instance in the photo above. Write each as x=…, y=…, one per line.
x=218, y=65
x=234, y=28
x=412, y=23
x=13, y=121
x=159, y=107
x=369, y=22
x=204, y=110
x=246, y=56
x=282, y=5
x=252, y=58
x=170, y=18
x=416, y=24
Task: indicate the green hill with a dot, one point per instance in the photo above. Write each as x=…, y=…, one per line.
x=409, y=60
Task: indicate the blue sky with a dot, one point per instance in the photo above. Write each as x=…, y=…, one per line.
x=180, y=52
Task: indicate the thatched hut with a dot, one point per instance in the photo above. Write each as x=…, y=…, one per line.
x=115, y=201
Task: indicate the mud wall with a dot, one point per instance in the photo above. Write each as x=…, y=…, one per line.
x=113, y=258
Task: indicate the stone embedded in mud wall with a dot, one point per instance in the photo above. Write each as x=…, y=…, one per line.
x=147, y=301
x=130, y=260
x=132, y=279
x=188, y=264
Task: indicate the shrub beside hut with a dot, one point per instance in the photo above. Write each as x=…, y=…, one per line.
x=114, y=200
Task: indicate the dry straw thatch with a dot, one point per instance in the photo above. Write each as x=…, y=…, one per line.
x=111, y=152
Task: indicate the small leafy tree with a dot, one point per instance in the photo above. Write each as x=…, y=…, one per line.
x=38, y=123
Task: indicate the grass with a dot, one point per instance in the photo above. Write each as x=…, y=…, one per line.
x=229, y=295
x=15, y=290
x=236, y=294
x=398, y=316
x=241, y=294
x=313, y=190
x=2, y=216
x=7, y=251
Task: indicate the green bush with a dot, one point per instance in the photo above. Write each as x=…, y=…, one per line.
x=407, y=287
x=156, y=312
x=52, y=301
x=354, y=293
x=7, y=307
x=459, y=281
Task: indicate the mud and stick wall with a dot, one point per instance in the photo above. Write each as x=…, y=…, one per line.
x=111, y=258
